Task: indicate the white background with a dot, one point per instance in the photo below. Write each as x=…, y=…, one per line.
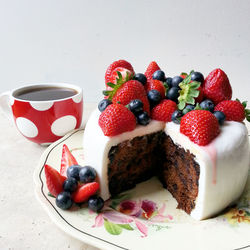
x=75, y=41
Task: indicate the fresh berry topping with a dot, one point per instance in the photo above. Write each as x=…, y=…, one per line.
x=85, y=191
x=159, y=75
x=73, y=172
x=207, y=105
x=200, y=126
x=154, y=97
x=114, y=65
x=200, y=96
x=63, y=200
x=152, y=67
x=95, y=203
x=169, y=82
x=103, y=104
x=87, y=174
x=136, y=106
x=183, y=75
x=217, y=87
x=173, y=94
x=176, y=116
x=122, y=73
x=67, y=160
x=143, y=118
x=220, y=116
x=188, y=108
x=157, y=85
x=176, y=80
x=54, y=180
x=164, y=110
x=233, y=110
x=70, y=185
x=197, y=76
x=140, y=78
x=116, y=119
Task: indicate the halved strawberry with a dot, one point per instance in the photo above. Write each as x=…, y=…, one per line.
x=54, y=180
x=152, y=67
x=67, y=160
x=84, y=191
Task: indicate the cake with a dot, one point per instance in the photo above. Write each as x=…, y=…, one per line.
x=203, y=175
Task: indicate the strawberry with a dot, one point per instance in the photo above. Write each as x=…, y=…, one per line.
x=152, y=67
x=233, y=110
x=116, y=119
x=217, y=87
x=117, y=64
x=156, y=84
x=200, y=126
x=67, y=160
x=54, y=180
x=84, y=191
x=200, y=97
x=164, y=110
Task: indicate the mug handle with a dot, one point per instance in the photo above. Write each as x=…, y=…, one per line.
x=5, y=104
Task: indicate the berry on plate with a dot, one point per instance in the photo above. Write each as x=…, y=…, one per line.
x=70, y=185
x=95, y=203
x=200, y=126
x=157, y=85
x=116, y=119
x=152, y=67
x=87, y=174
x=54, y=180
x=73, y=171
x=216, y=86
x=164, y=110
x=64, y=201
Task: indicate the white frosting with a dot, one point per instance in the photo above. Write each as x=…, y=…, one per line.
x=220, y=184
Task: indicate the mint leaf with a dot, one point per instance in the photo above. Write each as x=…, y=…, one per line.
x=112, y=228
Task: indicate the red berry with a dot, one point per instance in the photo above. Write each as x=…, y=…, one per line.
x=156, y=84
x=112, y=67
x=152, y=67
x=84, y=192
x=217, y=87
x=164, y=110
x=54, y=180
x=67, y=160
x=199, y=99
x=233, y=110
x=200, y=126
x=116, y=119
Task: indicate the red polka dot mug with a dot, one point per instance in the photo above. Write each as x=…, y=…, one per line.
x=43, y=113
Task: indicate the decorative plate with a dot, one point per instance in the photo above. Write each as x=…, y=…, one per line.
x=144, y=217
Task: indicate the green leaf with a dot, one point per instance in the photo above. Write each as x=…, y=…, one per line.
x=112, y=228
x=51, y=195
x=198, y=107
x=184, y=74
x=110, y=84
x=106, y=92
x=181, y=105
x=126, y=226
x=244, y=104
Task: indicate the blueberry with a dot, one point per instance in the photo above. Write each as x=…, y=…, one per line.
x=70, y=185
x=176, y=116
x=154, y=97
x=87, y=174
x=197, y=76
x=159, y=75
x=169, y=82
x=103, y=104
x=173, y=94
x=176, y=81
x=143, y=118
x=95, y=203
x=136, y=106
x=188, y=108
x=73, y=171
x=141, y=78
x=207, y=105
x=63, y=200
x=220, y=117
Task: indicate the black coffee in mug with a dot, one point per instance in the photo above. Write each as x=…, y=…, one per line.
x=45, y=93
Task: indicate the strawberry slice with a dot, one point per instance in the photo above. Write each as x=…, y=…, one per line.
x=83, y=192
x=54, y=180
x=67, y=160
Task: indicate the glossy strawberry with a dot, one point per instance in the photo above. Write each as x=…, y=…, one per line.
x=67, y=160
x=113, y=68
x=200, y=126
x=116, y=119
x=200, y=97
x=152, y=67
x=156, y=84
x=85, y=191
x=217, y=87
x=54, y=180
x=233, y=110
x=164, y=110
